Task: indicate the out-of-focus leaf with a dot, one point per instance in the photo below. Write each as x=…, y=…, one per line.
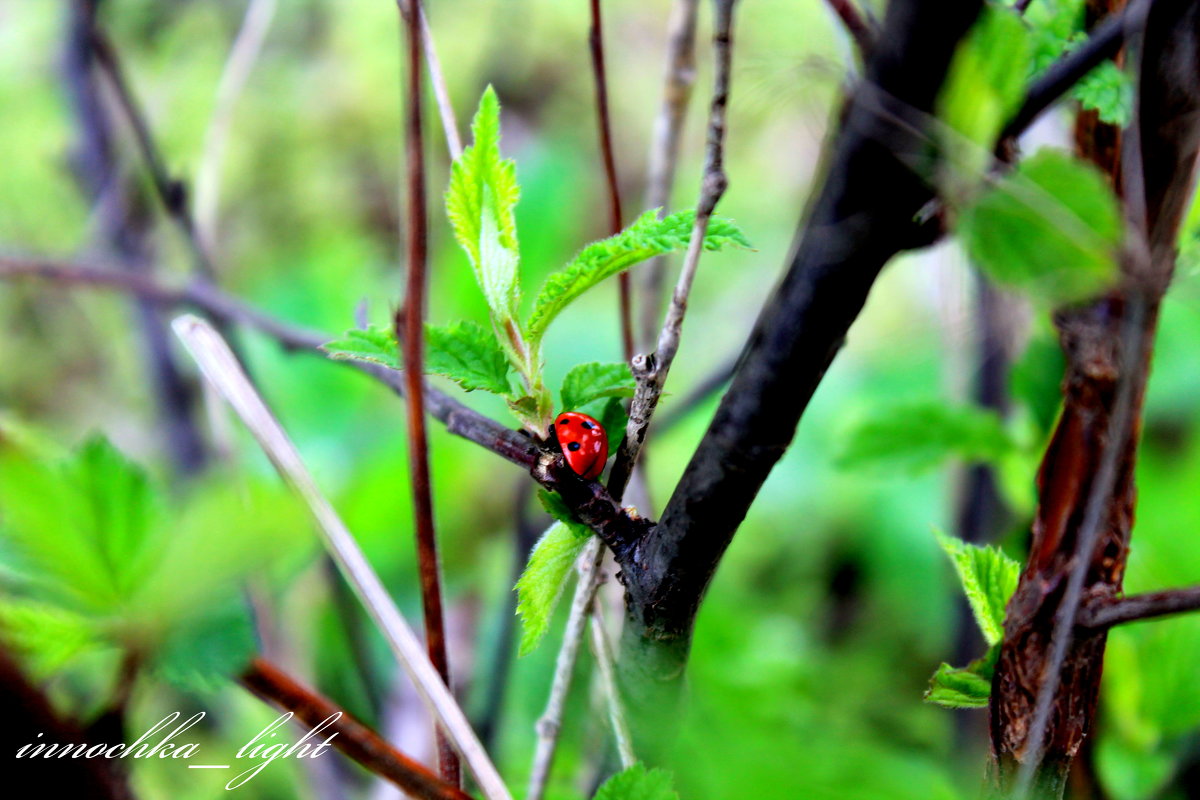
x=205, y=654
x=638, y=783
x=77, y=528
x=649, y=236
x=46, y=636
x=984, y=86
x=963, y=687
x=585, y=383
x=988, y=577
x=1050, y=227
x=912, y=437
x=480, y=201
x=376, y=344
x=468, y=354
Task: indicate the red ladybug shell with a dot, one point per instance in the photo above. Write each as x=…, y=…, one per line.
x=584, y=443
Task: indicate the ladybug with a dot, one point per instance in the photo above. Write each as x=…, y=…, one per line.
x=584, y=443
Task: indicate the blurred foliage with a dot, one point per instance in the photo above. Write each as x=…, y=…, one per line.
x=833, y=605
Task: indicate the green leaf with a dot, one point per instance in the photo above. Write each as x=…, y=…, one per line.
x=638, y=783
x=45, y=635
x=1050, y=227
x=984, y=86
x=964, y=687
x=912, y=437
x=988, y=578
x=467, y=354
x=585, y=383
x=545, y=576
x=77, y=529
x=543, y=581
x=205, y=654
x=644, y=239
x=480, y=201
x=376, y=344
x=1107, y=90
x=612, y=416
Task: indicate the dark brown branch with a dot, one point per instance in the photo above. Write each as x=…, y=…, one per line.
x=856, y=25
x=851, y=232
x=603, y=120
x=1104, y=613
x=354, y=739
x=410, y=332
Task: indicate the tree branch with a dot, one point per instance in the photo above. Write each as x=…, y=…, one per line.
x=603, y=121
x=858, y=28
x=651, y=371
x=851, y=232
x=664, y=152
x=410, y=332
x=354, y=739
x=221, y=368
x=1105, y=612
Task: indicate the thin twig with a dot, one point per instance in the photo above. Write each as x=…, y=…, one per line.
x=1101, y=615
x=410, y=331
x=170, y=191
x=549, y=724
x=242, y=57
x=603, y=120
x=664, y=151
x=440, y=94
x=602, y=650
x=222, y=369
x=348, y=735
x=856, y=25
x=651, y=371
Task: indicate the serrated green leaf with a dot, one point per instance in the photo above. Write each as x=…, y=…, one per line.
x=544, y=578
x=585, y=383
x=638, y=783
x=964, y=687
x=644, y=239
x=45, y=635
x=912, y=437
x=1108, y=90
x=480, y=200
x=376, y=344
x=468, y=355
x=988, y=578
x=1050, y=227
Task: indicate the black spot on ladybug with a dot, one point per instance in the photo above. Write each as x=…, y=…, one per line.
x=564, y=422
x=587, y=425
x=573, y=446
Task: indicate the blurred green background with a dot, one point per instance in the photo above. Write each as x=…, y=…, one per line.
x=833, y=606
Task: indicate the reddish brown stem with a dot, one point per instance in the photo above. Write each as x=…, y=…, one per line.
x=615, y=216
x=410, y=330
x=855, y=24
x=352, y=738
